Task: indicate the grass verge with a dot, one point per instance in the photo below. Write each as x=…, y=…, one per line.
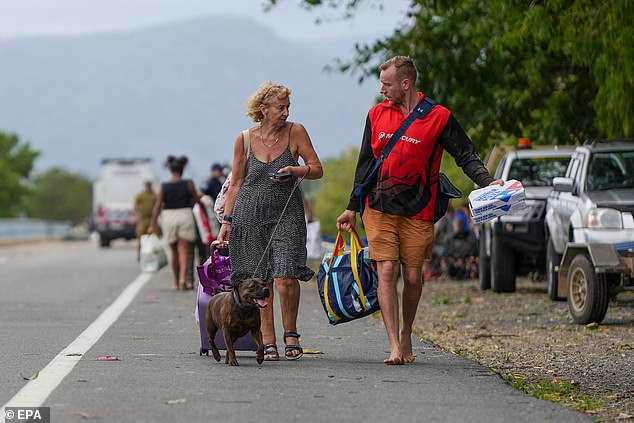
x=559, y=391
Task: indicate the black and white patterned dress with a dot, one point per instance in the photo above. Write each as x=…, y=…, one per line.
x=257, y=209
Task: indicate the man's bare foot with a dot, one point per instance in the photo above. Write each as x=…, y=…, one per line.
x=406, y=348
x=393, y=360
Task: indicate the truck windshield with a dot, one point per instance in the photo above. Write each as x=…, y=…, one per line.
x=538, y=171
x=611, y=170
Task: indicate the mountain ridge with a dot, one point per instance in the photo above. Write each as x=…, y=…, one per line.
x=176, y=88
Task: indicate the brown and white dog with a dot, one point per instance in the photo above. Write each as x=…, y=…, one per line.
x=237, y=313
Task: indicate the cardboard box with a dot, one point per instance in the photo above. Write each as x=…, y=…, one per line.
x=492, y=197
x=499, y=211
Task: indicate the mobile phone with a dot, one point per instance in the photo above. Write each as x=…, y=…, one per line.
x=280, y=176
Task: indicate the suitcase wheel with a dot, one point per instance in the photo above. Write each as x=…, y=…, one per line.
x=204, y=351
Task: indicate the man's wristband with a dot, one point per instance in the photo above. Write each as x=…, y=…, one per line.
x=227, y=218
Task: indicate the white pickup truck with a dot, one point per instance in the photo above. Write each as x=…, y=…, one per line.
x=113, y=197
x=590, y=228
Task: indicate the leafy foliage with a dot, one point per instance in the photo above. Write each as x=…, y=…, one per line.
x=554, y=71
x=16, y=163
x=60, y=195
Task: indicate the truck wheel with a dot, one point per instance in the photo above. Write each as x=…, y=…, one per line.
x=552, y=259
x=587, y=292
x=502, y=266
x=484, y=265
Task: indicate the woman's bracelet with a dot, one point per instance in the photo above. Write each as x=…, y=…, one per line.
x=307, y=171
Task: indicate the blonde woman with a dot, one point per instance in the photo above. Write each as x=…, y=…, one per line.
x=255, y=201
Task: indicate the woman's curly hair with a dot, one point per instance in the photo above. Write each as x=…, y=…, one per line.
x=263, y=96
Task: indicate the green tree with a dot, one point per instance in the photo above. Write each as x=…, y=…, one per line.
x=555, y=71
x=16, y=164
x=595, y=35
x=60, y=195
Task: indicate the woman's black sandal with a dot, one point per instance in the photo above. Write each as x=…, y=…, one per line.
x=271, y=351
x=290, y=348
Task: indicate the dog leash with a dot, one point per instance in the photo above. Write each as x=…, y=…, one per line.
x=299, y=181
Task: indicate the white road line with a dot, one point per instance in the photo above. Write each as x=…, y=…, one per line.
x=36, y=391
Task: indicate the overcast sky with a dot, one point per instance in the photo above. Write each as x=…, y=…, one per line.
x=20, y=18
x=47, y=17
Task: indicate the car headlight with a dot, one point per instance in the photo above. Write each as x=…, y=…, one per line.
x=604, y=219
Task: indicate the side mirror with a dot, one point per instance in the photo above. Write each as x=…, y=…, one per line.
x=561, y=184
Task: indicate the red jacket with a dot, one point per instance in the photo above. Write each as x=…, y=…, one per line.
x=403, y=175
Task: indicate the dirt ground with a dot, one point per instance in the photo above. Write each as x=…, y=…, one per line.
x=535, y=345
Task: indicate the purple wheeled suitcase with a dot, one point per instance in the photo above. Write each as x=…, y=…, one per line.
x=214, y=277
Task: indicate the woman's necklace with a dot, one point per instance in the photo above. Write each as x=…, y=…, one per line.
x=268, y=145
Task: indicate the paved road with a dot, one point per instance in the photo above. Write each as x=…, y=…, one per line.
x=161, y=377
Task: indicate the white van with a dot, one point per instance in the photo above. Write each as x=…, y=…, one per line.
x=113, y=197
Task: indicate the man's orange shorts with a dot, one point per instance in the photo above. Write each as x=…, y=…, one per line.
x=398, y=238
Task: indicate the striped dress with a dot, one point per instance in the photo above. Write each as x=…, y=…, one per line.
x=257, y=210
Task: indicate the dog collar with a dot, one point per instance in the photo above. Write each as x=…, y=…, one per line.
x=236, y=298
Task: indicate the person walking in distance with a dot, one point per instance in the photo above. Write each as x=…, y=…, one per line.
x=144, y=203
x=398, y=222
x=174, y=203
x=213, y=185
